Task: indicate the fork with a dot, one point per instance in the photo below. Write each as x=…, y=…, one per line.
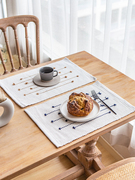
x=95, y=96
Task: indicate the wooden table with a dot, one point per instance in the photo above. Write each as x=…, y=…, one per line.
x=23, y=146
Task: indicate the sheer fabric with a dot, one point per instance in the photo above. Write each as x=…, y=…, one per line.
x=104, y=28
x=24, y=7
x=123, y=139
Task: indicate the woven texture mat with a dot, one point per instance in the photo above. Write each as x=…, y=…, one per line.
x=60, y=130
x=24, y=92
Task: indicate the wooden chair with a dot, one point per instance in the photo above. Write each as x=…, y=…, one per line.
x=13, y=22
x=121, y=170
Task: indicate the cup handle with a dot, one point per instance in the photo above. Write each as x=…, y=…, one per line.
x=56, y=73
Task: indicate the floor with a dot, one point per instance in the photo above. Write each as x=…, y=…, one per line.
x=59, y=165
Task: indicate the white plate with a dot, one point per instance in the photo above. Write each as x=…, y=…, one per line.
x=67, y=115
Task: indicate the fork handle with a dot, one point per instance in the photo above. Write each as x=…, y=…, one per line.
x=107, y=106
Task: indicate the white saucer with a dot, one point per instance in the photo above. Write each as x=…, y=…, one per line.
x=67, y=115
x=54, y=81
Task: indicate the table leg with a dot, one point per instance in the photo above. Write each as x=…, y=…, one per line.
x=87, y=159
x=89, y=156
x=88, y=152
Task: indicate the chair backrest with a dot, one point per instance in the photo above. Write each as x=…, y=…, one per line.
x=124, y=169
x=13, y=22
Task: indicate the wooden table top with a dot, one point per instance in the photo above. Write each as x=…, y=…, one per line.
x=23, y=146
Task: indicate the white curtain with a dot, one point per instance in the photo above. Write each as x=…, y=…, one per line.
x=104, y=28
x=24, y=7
x=1, y=12
x=123, y=139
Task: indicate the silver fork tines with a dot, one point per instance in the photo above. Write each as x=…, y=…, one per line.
x=95, y=96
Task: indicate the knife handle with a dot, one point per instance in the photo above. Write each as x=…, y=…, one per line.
x=107, y=106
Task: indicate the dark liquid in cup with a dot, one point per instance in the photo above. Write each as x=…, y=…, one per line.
x=49, y=70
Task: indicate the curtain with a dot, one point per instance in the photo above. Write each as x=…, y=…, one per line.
x=104, y=28
x=123, y=139
x=24, y=7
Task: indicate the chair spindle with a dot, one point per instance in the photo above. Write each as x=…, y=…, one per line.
x=27, y=47
x=9, y=52
x=18, y=49
x=3, y=63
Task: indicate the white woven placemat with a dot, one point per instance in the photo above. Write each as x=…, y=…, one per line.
x=24, y=92
x=62, y=131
